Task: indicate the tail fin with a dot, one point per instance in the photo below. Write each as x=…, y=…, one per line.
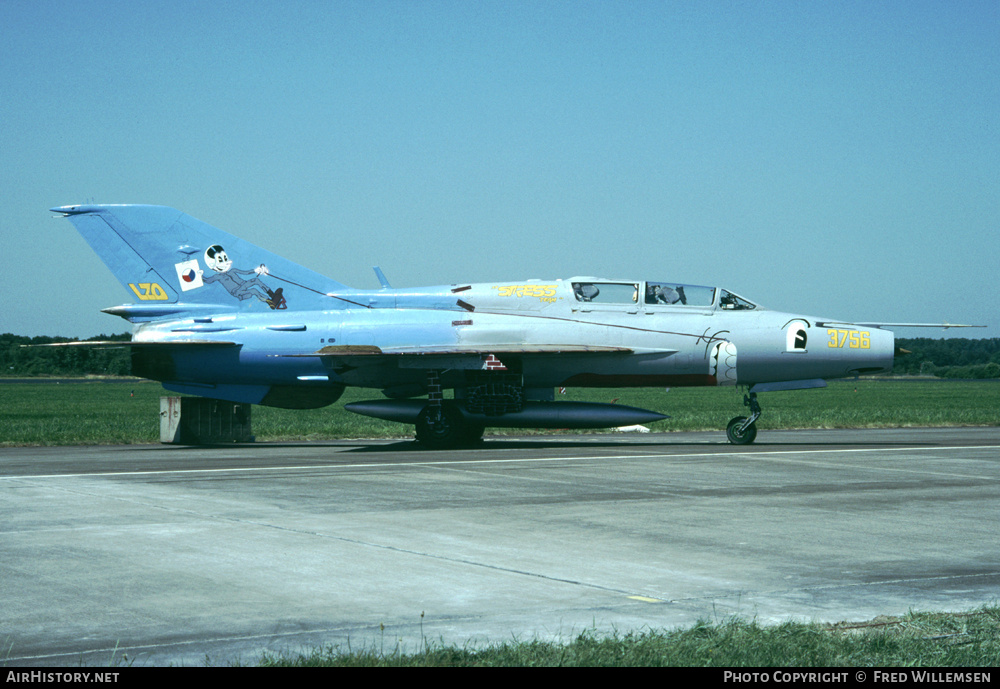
x=171, y=263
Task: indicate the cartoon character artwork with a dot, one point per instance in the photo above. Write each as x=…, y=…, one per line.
x=239, y=283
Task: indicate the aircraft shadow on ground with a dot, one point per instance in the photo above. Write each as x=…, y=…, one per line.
x=524, y=444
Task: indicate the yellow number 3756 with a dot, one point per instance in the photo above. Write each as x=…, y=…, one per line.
x=854, y=339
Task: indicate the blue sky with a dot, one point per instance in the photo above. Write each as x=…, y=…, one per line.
x=833, y=159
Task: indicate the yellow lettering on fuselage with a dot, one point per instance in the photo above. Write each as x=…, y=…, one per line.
x=543, y=292
x=854, y=339
x=149, y=291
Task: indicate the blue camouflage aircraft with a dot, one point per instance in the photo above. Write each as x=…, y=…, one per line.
x=218, y=317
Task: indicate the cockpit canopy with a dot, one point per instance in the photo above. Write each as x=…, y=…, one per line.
x=658, y=294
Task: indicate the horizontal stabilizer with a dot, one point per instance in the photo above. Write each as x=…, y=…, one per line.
x=139, y=345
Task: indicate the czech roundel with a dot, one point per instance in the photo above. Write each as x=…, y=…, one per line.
x=189, y=275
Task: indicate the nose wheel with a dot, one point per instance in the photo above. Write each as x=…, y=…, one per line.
x=743, y=430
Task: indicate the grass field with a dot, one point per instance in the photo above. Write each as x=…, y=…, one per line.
x=918, y=640
x=98, y=413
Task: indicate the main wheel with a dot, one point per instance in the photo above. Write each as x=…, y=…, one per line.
x=738, y=438
x=447, y=431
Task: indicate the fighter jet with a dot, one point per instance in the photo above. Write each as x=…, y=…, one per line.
x=218, y=317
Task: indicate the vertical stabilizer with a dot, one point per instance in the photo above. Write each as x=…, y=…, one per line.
x=162, y=256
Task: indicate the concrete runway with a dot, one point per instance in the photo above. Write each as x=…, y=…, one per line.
x=167, y=555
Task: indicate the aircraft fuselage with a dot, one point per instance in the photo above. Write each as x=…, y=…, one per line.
x=637, y=344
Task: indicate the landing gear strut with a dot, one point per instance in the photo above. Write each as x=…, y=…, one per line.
x=440, y=424
x=743, y=430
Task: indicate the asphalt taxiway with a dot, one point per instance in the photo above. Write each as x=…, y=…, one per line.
x=158, y=555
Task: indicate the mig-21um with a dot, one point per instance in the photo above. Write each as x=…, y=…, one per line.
x=217, y=317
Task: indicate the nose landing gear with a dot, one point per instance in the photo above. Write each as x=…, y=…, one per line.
x=743, y=430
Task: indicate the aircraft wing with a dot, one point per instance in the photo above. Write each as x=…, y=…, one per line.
x=450, y=356
x=476, y=350
x=370, y=350
x=943, y=326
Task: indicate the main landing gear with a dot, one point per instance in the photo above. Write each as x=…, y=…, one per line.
x=743, y=430
x=440, y=424
x=442, y=427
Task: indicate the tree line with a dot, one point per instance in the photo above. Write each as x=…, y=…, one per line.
x=953, y=358
x=19, y=361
